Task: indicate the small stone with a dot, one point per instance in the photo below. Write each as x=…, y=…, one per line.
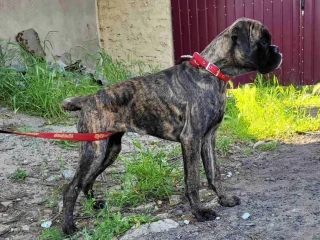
x=25, y=228
x=67, y=174
x=60, y=205
x=186, y=222
x=147, y=207
x=47, y=211
x=155, y=227
x=114, y=209
x=174, y=200
x=50, y=179
x=163, y=215
x=229, y=174
x=217, y=218
x=270, y=179
x=250, y=224
x=114, y=188
x=245, y=215
x=46, y=224
x=7, y=203
x=159, y=202
x=163, y=225
x=3, y=229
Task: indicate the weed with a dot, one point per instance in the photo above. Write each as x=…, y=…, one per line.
x=53, y=233
x=89, y=206
x=62, y=164
x=66, y=144
x=19, y=174
x=148, y=176
x=110, y=224
x=52, y=200
x=52, y=197
x=247, y=151
x=223, y=143
x=269, y=146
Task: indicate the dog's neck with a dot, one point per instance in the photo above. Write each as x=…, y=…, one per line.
x=217, y=53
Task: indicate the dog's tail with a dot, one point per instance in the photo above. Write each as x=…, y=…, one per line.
x=74, y=103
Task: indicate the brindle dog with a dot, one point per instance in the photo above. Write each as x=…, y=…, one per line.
x=184, y=103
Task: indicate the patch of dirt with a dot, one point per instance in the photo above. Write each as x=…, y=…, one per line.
x=280, y=189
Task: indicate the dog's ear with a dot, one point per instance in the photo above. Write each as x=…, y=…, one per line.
x=240, y=37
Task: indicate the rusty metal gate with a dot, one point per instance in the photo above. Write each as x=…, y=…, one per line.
x=294, y=25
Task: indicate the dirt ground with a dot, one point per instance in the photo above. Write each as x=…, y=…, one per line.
x=280, y=189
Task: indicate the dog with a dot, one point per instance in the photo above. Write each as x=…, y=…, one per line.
x=184, y=103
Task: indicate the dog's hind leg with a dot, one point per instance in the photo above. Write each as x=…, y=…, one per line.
x=212, y=170
x=94, y=158
x=112, y=151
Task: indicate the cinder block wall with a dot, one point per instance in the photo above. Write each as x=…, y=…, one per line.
x=75, y=22
x=138, y=29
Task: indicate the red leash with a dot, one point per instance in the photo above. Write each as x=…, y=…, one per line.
x=65, y=136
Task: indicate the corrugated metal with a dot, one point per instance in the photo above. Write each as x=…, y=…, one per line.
x=197, y=22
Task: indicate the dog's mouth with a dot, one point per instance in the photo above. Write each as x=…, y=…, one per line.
x=274, y=63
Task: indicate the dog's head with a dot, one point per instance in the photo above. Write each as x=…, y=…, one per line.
x=251, y=46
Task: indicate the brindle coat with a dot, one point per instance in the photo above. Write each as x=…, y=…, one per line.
x=183, y=103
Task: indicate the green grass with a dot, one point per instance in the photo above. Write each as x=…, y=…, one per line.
x=53, y=233
x=266, y=110
x=109, y=225
x=269, y=146
x=66, y=144
x=19, y=174
x=149, y=176
x=40, y=90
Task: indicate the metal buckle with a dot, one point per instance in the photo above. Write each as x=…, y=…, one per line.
x=186, y=56
x=207, y=67
x=217, y=72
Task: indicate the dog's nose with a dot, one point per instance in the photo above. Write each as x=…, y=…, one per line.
x=275, y=49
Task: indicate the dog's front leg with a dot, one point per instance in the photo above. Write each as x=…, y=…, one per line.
x=191, y=148
x=212, y=170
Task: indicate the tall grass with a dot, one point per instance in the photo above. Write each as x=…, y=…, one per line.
x=264, y=109
x=40, y=89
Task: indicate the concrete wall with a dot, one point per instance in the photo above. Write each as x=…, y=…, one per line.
x=139, y=29
x=74, y=20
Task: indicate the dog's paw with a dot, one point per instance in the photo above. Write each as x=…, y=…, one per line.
x=229, y=201
x=100, y=204
x=69, y=229
x=204, y=214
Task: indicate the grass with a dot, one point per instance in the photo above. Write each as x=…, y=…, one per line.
x=66, y=144
x=269, y=146
x=53, y=233
x=111, y=224
x=40, y=89
x=19, y=174
x=149, y=177
x=266, y=110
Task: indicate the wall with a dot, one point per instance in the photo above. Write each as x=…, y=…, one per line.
x=74, y=20
x=138, y=29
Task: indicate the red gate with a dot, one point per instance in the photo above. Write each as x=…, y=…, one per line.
x=294, y=25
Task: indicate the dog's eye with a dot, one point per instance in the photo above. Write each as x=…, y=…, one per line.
x=263, y=42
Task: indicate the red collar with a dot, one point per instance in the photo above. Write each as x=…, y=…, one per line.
x=197, y=60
